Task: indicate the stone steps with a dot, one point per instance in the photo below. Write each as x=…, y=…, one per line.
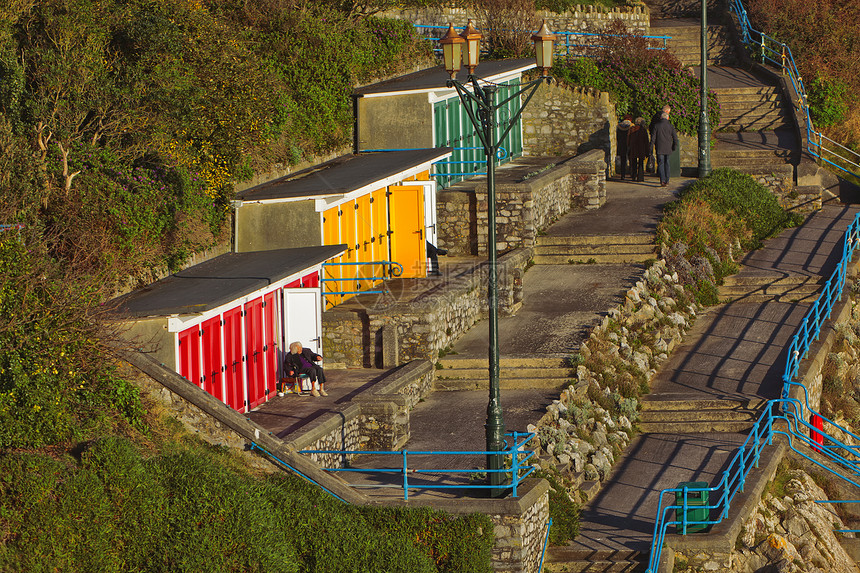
x=753, y=108
x=685, y=43
x=457, y=374
x=568, y=559
x=592, y=249
x=696, y=416
x=759, y=288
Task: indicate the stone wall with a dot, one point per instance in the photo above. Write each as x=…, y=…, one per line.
x=563, y=120
x=519, y=524
x=425, y=325
x=788, y=532
x=525, y=205
x=579, y=19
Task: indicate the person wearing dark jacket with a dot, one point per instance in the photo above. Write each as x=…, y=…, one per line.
x=302, y=361
x=637, y=146
x=621, y=142
x=664, y=140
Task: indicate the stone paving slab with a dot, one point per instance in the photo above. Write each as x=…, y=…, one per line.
x=292, y=414
x=560, y=305
x=812, y=249
x=630, y=208
x=735, y=351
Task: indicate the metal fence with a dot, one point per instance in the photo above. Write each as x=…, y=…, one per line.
x=575, y=44
x=769, y=50
x=515, y=456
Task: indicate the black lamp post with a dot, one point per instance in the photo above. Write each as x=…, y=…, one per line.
x=479, y=101
x=704, y=125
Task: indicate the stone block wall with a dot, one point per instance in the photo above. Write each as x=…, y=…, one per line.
x=588, y=180
x=579, y=19
x=455, y=221
x=563, y=120
x=425, y=325
x=523, y=207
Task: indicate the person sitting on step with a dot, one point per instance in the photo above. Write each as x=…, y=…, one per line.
x=302, y=361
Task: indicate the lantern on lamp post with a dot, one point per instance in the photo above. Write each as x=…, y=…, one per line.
x=479, y=100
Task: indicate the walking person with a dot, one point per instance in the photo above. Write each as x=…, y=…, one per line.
x=637, y=146
x=664, y=140
x=621, y=142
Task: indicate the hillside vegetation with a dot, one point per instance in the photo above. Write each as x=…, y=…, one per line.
x=123, y=125
x=825, y=43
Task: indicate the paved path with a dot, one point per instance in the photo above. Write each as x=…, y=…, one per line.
x=733, y=351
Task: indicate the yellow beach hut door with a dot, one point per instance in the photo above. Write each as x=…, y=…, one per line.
x=406, y=217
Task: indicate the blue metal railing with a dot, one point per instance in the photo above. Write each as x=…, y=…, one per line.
x=792, y=412
x=279, y=461
x=516, y=453
x=571, y=44
x=770, y=50
x=387, y=270
x=501, y=155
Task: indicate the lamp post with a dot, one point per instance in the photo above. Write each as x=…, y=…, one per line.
x=479, y=100
x=704, y=125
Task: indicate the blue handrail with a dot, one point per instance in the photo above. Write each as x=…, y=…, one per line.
x=267, y=453
x=789, y=410
x=589, y=40
x=516, y=453
x=771, y=50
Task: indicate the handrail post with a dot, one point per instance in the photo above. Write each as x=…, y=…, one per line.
x=783, y=59
x=405, y=478
x=684, y=512
x=515, y=466
x=743, y=473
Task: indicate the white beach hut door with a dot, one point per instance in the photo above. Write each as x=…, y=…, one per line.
x=302, y=318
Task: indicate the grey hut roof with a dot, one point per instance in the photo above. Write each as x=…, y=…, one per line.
x=220, y=281
x=436, y=78
x=343, y=174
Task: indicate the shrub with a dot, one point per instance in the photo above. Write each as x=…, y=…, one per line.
x=711, y=216
x=116, y=510
x=640, y=80
x=563, y=511
x=827, y=102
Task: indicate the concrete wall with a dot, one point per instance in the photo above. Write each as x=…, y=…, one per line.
x=395, y=122
x=268, y=226
x=150, y=335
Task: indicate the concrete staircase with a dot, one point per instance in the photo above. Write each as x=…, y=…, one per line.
x=558, y=250
x=697, y=416
x=453, y=373
x=567, y=559
x=686, y=41
x=752, y=108
x=753, y=287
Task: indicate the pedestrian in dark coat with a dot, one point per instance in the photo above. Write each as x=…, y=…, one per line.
x=664, y=140
x=621, y=142
x=637, y=148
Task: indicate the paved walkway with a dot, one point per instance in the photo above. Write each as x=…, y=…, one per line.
x=734, y=351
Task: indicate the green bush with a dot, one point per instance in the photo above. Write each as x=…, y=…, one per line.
x=116, y=510
x=640, y=80
x=713, y=216
x=827, y=102
x=563, y=511
x=738, y=196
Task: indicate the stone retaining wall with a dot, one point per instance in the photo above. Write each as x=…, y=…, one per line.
x=523, y=207
x=564, y=120
x=579, y=19
x=421, y=328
